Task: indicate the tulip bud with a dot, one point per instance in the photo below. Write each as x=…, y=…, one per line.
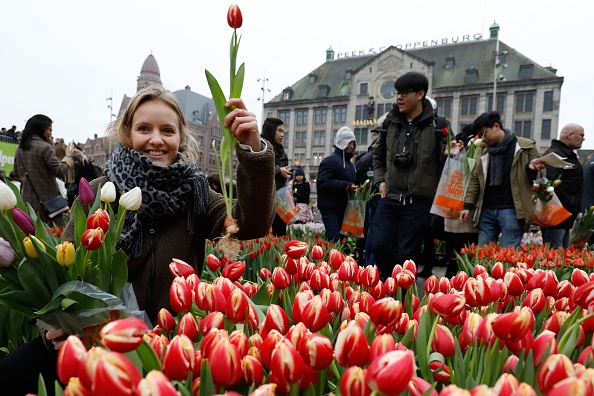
x=65, y=254
x=86, y=196
x=317, y=253
x=234, y=17
x=179, y=358
x=115, y=374
x=180, y=295
x=99, y=219
x=132, y=199
x=92, y=239
x=234, y=271
x=23, y=221
x=295, y=249
x=389, y=374
x=30, y=248
x=7, y=254
x=179, y=267
x=214, y=264
x=123, y=335
x=156, y=383
x=70, y=356
x=353, y=382
x=7, y=197
x=108, y=192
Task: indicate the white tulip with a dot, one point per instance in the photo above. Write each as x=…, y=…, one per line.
x=7, y=198
x=132, y=199
x=108, y=192
x=478, y=142
x=550, y=189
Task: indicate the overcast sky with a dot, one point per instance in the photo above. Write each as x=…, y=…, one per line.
x=65, y=58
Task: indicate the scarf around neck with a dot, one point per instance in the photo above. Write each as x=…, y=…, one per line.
x=167, y=191
x=496, y=158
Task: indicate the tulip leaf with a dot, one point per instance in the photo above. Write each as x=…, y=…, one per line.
x=41, y=389
x=11, y=276
x=148, y=357
x=15, y=306
x=8, y=232
x=218, y=96
x=262, y=297
x=207, y=386
x=52, y=305
x=119, y=272
x=237, y=87
x=31, y=275
x=80, y=220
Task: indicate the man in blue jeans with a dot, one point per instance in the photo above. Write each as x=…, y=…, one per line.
x=407, y=163
x=500, y=185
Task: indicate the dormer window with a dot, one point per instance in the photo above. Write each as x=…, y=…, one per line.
x=450, y=62
x=526, y=72
x=287, y=93
x=324, y=90
x=312, y=78
x=471, y=76
x=348, y=74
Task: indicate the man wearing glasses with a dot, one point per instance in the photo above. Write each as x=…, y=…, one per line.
x=407, y=161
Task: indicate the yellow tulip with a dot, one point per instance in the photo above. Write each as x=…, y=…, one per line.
x=65, y=254
x=30, y=248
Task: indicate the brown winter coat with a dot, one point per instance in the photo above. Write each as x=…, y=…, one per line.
x=253, y=210
x=43, y=167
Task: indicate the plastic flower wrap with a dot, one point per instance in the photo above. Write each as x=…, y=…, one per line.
x=224, y=153
x=544, y=188
x=354, y=216
x=75, y=285
x=583, y=228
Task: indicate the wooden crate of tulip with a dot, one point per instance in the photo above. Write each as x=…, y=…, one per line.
x=320, y=324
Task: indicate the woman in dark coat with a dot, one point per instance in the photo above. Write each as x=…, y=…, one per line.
x=36, y=155
x=273, y=131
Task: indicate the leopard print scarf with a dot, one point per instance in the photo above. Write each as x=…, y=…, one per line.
x=167, y=191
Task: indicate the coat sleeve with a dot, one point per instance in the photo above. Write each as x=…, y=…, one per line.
x=254, y=207
x=379, y=159
x=59, y=169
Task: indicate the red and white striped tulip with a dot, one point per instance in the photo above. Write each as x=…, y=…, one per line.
x=268, y=345
x=276, y=319
x=123, y=335
x=234, y=271
x=315, y=314
x=390, y=373
x=281, y=279
x=444, y=341
x=386, y=311
x=115, y=374
x=179, y=267
x=512, y=326
x=286, y=362
x=353, y=382
x=71, y=356
x=253, y=372
x=417, y=386
x=236, y=306
x=166, y=320
x=92, y=239
x=317, y=253
x=295, y=249
x=179, y=358
x=351, y=346
x=213, y=262
x=156, y=383
x=99, y=219
x=448, y=304
x=553, y=370
x=188, y=326
x=225, y=364
x=317, y=351
x=381, y=344
x=180, y=295
x=545, y=342
x=535, y=300
x=76, y=388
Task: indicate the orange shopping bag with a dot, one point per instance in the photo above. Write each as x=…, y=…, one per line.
x=449, y=197
x=354, y=219
x=285, y=205
x=550, y=213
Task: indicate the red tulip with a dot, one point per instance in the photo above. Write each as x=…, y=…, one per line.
x=123, y=335
x=554, y=369
x=546, y=280
x=92, y=239
x=448, y=304
x=159, y=344
x=234, y=17
x=214, y=320
x=240, y=340
x=115, y=374
x=213, y=263
x=253, y=372
x=317, y=253
x=579, y=277
x=212, y=299
x=370, y=276
x=180, y=295
x=459, y=280
x=179, y=267
x=23, y=221
x=545, y=342
x=70, y=357
x=335, y=259
x=586, y=357
x=382, y=344
x=444, y=285
x=444, y=341
x=234, y=271
x=99, y=219
x=236, y=306
x=351, y=346
x=286, y=362
x=276, y=319
x=281, y=278
x=584, y=295
x=225, y=364
x=440, y=372
x=353, y=382
x=431, y=285
x=515, y=287
x=389, y=374
x=86, y=196
x=315, y=314
x=418, y=387
x=386, y=312
x=512, y=326
x=347, y=270
x=179, y=358
x=295, y=249
x=506, y=384
x=156, y=383
x=86, y=371
x=476, y=292
x=188, y=326
x=75, y=388
x=535, y=300
x=317, y=351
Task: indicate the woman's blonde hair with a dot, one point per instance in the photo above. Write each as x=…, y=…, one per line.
x=121, y=128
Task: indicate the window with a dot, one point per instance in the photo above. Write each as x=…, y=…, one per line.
x=300, y=138
x=361, y=135
x=301, y=116
x=500, y=103
x=548, y=101
x=320, y=116
x=387, y=90
x=334, y=135
x=284, y=116
x=286, y=139
x=299, y=159
x=319, y=138
x=269, y=115
x=524, y=102
x=323, y=90
x=340, y=114
x=526, y=72
x=523, y=128
x=471, y=76
x=317, y=158
x=200, y=141
x=363, y=89
x=450, y=62
x=444, y=106
x=545, y=132
x=359, y=112
x=468, y=105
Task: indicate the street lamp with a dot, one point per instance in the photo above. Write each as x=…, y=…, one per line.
x=499, y=61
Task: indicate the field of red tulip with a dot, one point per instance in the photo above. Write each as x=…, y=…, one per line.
x=307, y=320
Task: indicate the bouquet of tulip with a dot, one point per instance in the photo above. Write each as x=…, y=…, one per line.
x=543, y=188
x=354, y=216
x=583, y=228
x=75, y=286
x=224, y=155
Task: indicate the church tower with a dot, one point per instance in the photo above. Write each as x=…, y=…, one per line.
x=149, y=74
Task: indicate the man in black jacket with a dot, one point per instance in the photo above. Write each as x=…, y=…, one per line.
x=571, y=187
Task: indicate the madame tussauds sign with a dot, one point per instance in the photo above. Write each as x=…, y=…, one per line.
x=414, y=45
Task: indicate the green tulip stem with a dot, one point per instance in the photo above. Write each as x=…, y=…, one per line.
x=119, y=226
x=294, y=389
x=85, y=263
x=432, y=335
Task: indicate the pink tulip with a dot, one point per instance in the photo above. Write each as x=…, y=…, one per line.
x=86, y=196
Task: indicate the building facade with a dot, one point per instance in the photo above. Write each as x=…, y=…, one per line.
x=356, y=90
x=199, y=111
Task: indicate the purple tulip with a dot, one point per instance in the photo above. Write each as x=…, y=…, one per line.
x=7, y=254
x=86, y=195
x=23, y=221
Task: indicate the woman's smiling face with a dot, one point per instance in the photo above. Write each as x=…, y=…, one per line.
x=156, y=132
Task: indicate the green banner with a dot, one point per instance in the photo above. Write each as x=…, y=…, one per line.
x=7, y=151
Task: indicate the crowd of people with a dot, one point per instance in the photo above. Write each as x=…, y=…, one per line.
x=182, y=207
